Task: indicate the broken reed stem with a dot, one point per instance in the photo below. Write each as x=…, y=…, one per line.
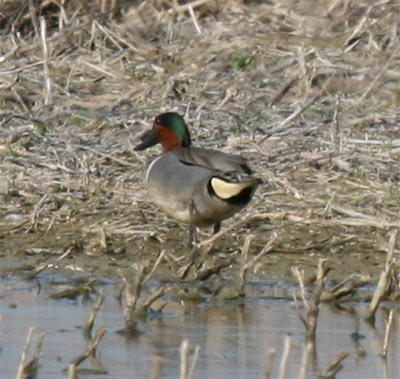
x=307, y=350
x=387, y=334
x=104, y=155
x=246, y=264
x=72, y=374
x=244, y=267
x=300, y=278
x=103, y=5
x=62, y=17
x=284, y=89
x=377, y=297
x=132, y=293
x=185, y=7
x=194, y=360
x=373, y=84
x=46, y=58
x=152, y=298
x=305, y=77
x=335, y=131
x=265, y=250
x=284, y=125
x=90, y=352
x=87, y=329
x=157, y=368
x=9, y=54
x=154, y=268
x=184, y=359
x=346, y=287
x=296, y=114
x=36, y=213
x=29, y=370
x=384, y=282
x=194, y=19
x=334, y=367
x=268, y=365
x=312, y=314
x=359, y=28
x=392, y=243
x=38, y=349
x=34, y=19
x=285, y=357
x=312, y=306
x=206, y=271
x=184, y=270
x=21, y=367
x=240, y=222
x=186, y=350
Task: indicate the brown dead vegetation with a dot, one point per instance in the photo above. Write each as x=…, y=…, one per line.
x=308, y=91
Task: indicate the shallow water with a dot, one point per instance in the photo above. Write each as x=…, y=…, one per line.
x=234, y=339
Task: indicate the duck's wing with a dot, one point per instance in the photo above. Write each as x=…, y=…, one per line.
x=213, y=160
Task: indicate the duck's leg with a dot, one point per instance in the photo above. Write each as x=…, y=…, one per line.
x=217, y=227
x=191, y=258
x=192, y=228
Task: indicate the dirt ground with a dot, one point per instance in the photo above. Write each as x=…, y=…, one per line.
x=308, y=91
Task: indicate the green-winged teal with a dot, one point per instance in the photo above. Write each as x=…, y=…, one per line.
x=197, y=186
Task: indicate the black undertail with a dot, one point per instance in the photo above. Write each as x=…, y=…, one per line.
x=241, y=198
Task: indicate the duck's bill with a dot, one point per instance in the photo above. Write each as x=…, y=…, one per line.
x=148, y=139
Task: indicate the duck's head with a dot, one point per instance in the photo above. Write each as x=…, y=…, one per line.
x=170, y=130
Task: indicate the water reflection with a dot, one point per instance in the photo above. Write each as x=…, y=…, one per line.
x=234, y=339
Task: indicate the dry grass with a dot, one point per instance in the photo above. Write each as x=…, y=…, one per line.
x=308, y=91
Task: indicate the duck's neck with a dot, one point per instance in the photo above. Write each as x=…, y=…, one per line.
x=169, y=139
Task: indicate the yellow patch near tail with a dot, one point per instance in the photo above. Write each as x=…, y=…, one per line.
x=226, y=190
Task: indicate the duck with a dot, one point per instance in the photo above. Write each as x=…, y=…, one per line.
x=193, y=185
